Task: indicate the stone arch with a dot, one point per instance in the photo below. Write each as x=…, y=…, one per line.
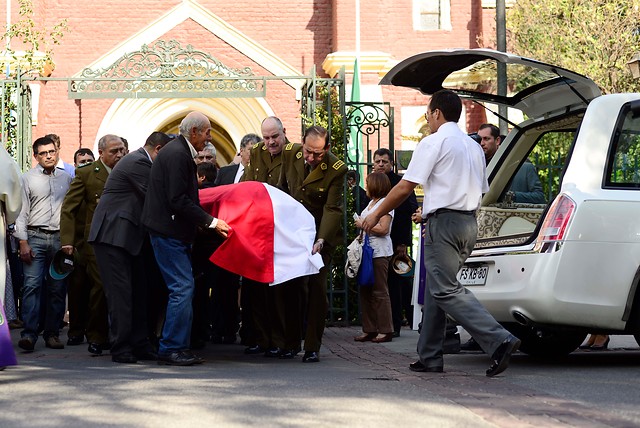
x=231, y=118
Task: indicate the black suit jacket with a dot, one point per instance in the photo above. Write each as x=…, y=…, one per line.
x=116, y=220
x=227, y=174
x=172, y=206
x=402, y=224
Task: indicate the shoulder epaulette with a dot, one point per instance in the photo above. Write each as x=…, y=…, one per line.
x=255, y=146
x=337, y=165
x=288, y=146
x=83, y=165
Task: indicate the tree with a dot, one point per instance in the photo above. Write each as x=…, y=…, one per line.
x=592, y=37
x=36, y=58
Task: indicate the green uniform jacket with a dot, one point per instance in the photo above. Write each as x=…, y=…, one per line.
x=86, y=188
x=262, y=166
x=320, y=193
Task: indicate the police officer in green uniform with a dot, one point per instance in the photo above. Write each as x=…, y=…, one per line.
x=276, y=316
x=84, y=193
x=314, y=176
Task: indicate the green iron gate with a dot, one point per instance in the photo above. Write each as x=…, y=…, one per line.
x=16, y=119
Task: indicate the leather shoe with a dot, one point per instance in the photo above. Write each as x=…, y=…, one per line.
x=95, y=348
x=146, y=355
x=53, y=342
x=75, y=340
x=273, y=352
x=366, y=337
x=27, y=343
x=470, y=345
x=396, y=333
x=419, y=367
x=124, y=358
x=310, y=357
x=179, y=358
x=287, y=355
x=253, y=350
x=502, y=355
x=383, y=338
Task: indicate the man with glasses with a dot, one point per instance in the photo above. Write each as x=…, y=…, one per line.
x=314, y=176
x=38, y=231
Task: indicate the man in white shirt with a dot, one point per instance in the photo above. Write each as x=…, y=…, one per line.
x=451, y=168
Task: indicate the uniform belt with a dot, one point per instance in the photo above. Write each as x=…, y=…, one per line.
x=447, y=210
x=42, y=229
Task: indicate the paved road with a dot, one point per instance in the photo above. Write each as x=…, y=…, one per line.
x=354, y=385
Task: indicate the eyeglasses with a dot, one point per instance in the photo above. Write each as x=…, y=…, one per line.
x=45, y=153
x=202, y=157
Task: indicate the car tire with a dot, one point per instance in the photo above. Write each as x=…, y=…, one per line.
x=547, y=343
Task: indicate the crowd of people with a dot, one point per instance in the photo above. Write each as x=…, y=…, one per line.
x=131, y=225
x=143, y=286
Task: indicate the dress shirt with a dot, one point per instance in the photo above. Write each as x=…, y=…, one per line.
x=42, y=196
x=239, y=173
x=451, y=168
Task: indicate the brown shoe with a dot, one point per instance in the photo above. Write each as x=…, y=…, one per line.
x=53, y=342
x=365, y=337
x=381, y=338
x=27, y=343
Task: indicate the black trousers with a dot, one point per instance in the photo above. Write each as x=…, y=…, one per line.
x=125, y=287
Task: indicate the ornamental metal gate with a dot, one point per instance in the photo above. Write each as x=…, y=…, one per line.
x=16, y=119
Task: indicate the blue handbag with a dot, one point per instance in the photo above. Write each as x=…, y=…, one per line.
x=365, y=276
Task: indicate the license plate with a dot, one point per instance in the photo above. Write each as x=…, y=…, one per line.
x=473, y=274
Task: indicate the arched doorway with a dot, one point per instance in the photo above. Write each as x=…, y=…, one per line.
x=231, y=119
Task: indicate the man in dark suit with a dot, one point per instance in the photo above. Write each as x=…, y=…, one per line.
x=172, y=213
x=121, y=244
x=314, y=176
x=400, y=288
x=86, y=189
x=225, y=284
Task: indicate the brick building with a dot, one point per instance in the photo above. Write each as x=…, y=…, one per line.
x=284, y=38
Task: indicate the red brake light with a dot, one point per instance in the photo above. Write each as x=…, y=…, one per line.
x=557, y=220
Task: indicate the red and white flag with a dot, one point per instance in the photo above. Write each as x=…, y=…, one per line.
x=271, y=234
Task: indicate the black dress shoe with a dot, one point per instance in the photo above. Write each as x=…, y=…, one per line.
x=310, y=357
x=146, y=355
x=502, y=355
x=470, y=345
x=75, y=340
x=419, y=367
x=273, y=352
x=95, y=348
x=124, y=358
x=179, y=358
x=255, y=349
x=287, y=355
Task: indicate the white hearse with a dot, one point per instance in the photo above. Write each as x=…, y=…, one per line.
x=552, y=272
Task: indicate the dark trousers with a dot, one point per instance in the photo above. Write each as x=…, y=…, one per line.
x=257, y=295
x=286, y=314
x=224, y=307
x=78, y=299
x=317, y=305
x=400, y=291
x=97, y=321
x=125, y=287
